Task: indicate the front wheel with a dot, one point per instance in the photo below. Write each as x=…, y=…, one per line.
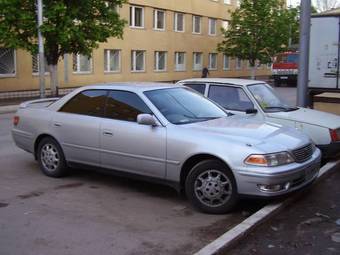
x=51, y=158
x=211, y=187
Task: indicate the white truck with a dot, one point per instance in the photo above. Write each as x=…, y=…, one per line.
x=324, y=52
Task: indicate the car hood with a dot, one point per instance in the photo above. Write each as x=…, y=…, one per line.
x=266, y=136
x=309, y=116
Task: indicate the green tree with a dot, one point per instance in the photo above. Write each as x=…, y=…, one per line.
x=70, y=27
x=258, y=30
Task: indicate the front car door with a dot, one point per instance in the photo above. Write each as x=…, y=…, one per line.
x=76, y=126
x=125, y=144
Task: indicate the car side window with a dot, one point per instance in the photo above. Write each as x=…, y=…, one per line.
x=88, y=102
x=125, y=105
x=231, y=98
x=200, y=88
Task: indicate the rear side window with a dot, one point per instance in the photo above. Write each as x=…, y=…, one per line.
x=89, y=102
x=230, y=98
x=125, y=105
x=200, y=88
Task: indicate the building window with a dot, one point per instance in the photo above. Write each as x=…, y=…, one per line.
x=212, y=61
x=111, y=60
x=179, y=22
x=36, y=64
x=227, y=1
x=225, y=24
x=238, y=63
x=197, y=61
x=212, y=26
x=180, y=61
x=159, y=20
x=160, y=60
x=82, y=63
x=136, y=17
x=226, y=62
x=196, y=24
x=138, y=61
x=7, y=62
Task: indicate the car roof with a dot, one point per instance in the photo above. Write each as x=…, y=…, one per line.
x=131, y=86
x=232, y=81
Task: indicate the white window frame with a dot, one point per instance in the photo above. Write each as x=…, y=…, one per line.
x=225, y=56
x=210, y=62
x=78, y=65
x=210, y=23
x=238, y=61
x=156, y=59
x=134, y=61
x=35, y=73
x=107, y=56
x=132, y=16
x=197, y=67
x=9, y=75
x=194, y=24
x=155, y=20
x=180, y=67
x=175, y=22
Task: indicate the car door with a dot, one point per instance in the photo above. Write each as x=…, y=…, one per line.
x=233, y=99
x=76, y=126
x=125, y=144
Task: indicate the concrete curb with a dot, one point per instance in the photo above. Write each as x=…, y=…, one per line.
x=8, y=108
x=234, y=235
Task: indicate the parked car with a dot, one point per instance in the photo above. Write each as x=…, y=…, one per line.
x=258, y=100
x=169, y=134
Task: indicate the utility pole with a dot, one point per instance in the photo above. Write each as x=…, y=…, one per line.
x=302, y=87
x=41, y=51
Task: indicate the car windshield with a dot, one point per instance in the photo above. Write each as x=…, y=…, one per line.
x=268, y=99
x=183, y=106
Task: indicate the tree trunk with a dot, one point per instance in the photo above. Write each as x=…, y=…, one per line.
x=253, y=72
x=54, y=79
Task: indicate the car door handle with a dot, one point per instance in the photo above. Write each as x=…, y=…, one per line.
x=57, y=124
x=107, y=133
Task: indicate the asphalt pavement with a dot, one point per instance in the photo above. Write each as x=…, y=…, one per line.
x=92, y=213
x=310, y=226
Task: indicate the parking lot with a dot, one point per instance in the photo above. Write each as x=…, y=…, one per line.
x=93, y=213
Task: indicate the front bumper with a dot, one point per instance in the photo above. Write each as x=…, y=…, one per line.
x=331, y=150
x=290, y=177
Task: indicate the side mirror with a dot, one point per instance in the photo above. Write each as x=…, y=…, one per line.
x=146, y=119
x=251, y=111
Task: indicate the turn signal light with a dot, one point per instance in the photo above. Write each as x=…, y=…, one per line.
x=256, y=160
x=16, y=120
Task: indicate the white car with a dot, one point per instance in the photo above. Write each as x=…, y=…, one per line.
x=256, y=99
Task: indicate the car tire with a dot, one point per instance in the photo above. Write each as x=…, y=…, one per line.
x=51, y=158
x=211, y=187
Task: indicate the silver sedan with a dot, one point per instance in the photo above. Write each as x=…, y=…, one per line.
x=169, y=134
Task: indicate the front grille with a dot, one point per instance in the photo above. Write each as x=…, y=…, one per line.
x=303, y=154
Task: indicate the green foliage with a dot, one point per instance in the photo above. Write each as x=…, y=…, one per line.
x=258, y=30
x=70, y=26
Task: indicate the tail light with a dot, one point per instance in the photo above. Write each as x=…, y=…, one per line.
x=335, y=134
x=16, y=120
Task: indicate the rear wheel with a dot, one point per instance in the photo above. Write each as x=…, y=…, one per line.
x=51, y=158
x=211, y=187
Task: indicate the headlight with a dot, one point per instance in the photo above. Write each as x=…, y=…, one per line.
x=274, y=159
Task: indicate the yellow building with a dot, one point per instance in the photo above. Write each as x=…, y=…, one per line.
x=163, y=41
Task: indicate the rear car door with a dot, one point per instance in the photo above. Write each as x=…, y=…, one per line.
x=76, y=126
x=126, y=145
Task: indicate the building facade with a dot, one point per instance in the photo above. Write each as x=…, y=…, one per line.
x=163, y=41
